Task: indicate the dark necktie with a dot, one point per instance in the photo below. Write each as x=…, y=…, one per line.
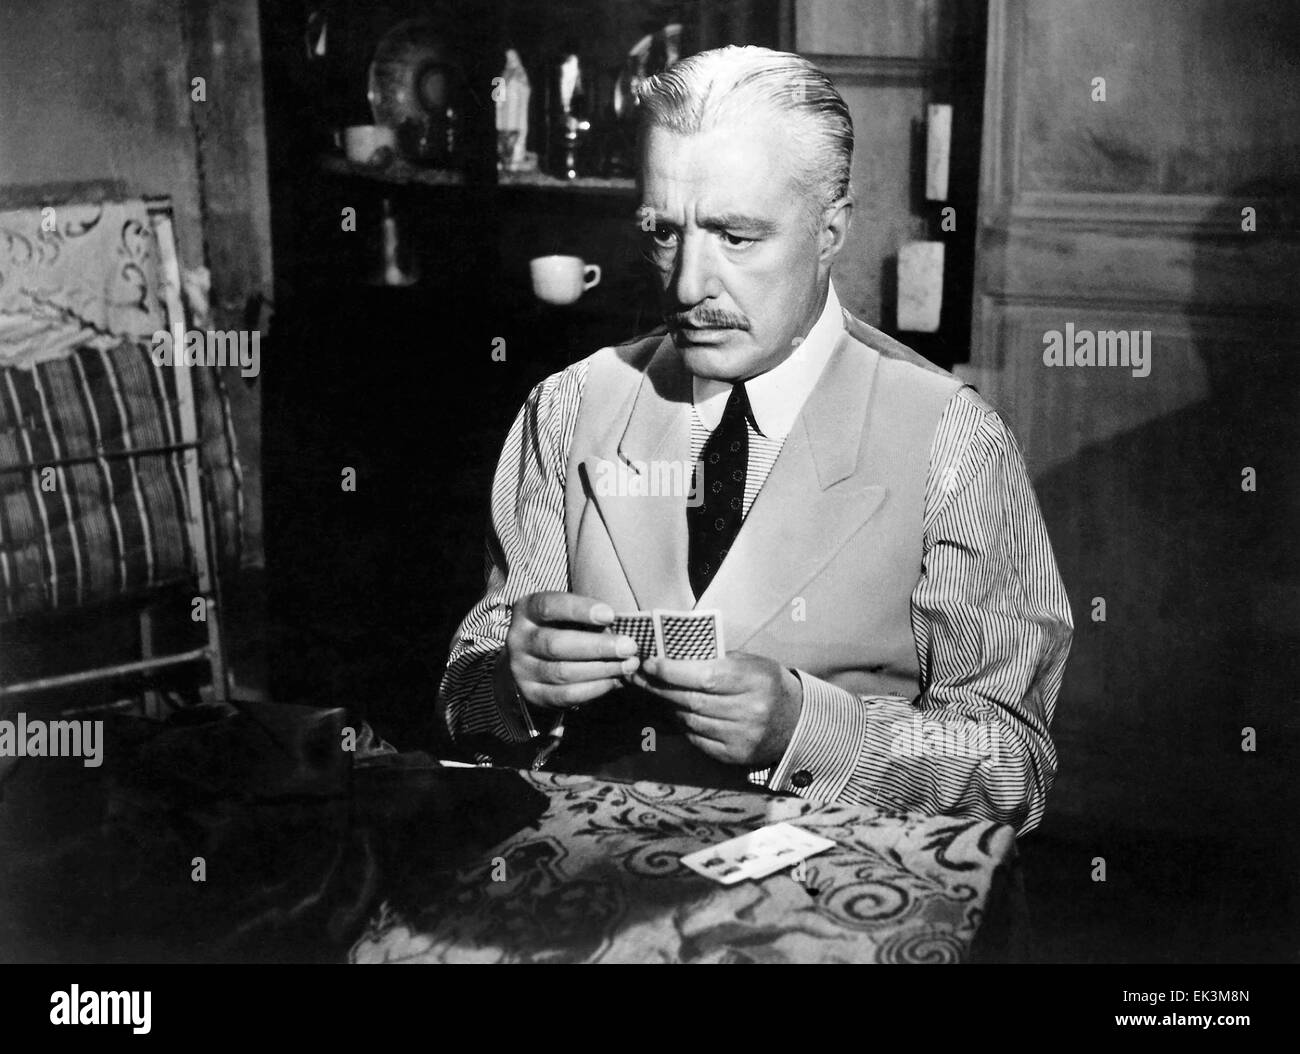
x=713, y=523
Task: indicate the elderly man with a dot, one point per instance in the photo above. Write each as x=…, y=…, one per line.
x=895, y=621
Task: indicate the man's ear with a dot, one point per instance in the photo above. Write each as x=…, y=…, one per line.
x=835, y=223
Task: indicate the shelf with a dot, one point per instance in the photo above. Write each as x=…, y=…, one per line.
x=583, y=184
x=404, y=174
x=399, y=173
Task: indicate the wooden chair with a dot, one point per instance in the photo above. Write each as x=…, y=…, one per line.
x=179, y=457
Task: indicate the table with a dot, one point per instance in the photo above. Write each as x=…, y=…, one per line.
x=598, y=879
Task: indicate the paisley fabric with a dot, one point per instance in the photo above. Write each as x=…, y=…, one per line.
x=599, y=878
x=76, y=276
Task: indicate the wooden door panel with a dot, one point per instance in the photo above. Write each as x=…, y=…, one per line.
x=1128, y=214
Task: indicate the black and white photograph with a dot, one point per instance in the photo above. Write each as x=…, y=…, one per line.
x=650, y=481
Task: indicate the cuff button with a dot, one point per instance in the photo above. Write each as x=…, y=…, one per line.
x=801, y=779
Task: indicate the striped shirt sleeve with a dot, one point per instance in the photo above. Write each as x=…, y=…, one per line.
x=526, y=553
x=992, y=626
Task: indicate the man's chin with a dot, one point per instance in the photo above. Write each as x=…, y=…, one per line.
x=709, y=363
x=717, y=356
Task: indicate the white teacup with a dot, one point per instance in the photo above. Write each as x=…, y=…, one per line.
x=369, y=144
x=562, y=279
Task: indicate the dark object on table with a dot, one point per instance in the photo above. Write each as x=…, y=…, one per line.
x=434, y=820
x=220, y=836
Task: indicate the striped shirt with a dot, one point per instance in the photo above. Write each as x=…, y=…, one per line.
x=989, y=617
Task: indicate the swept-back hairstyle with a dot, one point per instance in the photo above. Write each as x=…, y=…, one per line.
x=732, y=84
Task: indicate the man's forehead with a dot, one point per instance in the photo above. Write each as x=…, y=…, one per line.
x=728, y=169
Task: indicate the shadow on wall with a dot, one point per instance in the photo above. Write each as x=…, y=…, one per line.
x=1198, y=568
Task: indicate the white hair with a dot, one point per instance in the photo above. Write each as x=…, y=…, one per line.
x=728, y=85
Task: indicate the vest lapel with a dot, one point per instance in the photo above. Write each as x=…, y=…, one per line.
x=812, y=503
x=648, y=531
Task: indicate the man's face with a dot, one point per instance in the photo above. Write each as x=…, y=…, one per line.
x=736, y=244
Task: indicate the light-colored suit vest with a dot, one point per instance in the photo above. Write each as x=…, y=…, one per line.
x=821, y=573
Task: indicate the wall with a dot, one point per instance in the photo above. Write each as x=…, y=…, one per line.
x=1126, y=213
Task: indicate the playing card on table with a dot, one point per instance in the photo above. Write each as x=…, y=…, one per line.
x=640, y=626
x=757, y=854
x=689, y=634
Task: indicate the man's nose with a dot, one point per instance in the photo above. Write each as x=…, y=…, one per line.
x=695, y=279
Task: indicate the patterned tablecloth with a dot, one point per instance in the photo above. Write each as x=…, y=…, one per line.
x=599, y=878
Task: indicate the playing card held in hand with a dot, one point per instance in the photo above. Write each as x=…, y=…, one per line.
x=672, y=634
x=689, y=634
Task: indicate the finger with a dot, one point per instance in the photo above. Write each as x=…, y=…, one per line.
x=682, y=698
x=573, y=645
x=711, y=747
x=553, y=671
x=566, y=696
x=704, y=727
x=712, y=676
x=568, y=608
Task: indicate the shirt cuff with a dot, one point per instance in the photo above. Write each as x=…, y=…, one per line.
x=827, y=741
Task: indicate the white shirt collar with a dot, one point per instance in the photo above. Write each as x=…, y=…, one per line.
x=777, y=396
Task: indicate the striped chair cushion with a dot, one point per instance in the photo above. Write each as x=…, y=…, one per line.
x=107, y=527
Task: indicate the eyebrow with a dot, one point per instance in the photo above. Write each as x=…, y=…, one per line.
x=727, y=221
x=739, y=221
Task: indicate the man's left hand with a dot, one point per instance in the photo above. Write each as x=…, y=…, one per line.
x=741, y=709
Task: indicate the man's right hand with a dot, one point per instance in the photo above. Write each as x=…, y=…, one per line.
x=559, y=653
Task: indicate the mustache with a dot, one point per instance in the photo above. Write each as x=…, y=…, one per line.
x=705, y=318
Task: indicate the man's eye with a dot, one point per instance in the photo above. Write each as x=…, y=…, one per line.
x=663, y=237
x=736, y=241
